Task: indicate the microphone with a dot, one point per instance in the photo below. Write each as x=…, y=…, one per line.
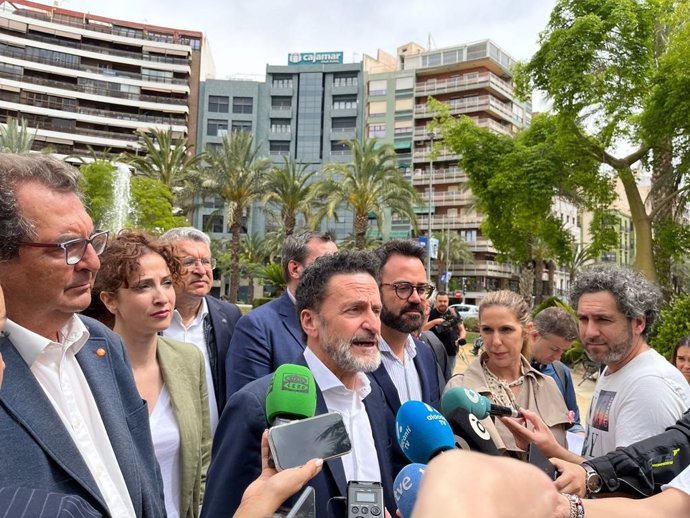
x=422, y=432
x=474, y=403
x=291, y=395
x=406, y=487
x=470, y=433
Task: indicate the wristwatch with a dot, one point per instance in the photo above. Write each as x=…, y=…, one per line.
x=593, y=480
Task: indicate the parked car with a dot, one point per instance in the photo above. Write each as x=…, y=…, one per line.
x=466, y=310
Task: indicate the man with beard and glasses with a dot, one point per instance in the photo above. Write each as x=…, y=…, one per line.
x=339, y=305
x=639, y=393
x=408, y=367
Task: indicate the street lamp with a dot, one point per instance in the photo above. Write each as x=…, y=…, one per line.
x=431, y=176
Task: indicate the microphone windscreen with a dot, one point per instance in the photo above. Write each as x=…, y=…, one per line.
x=470, y=432
x=406, y=487
x=422, y=431
x=291, y=394
x=468, y=399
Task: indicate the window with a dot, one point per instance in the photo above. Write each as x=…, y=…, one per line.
x=377, y=107
x=241, y=126
x=213, y=147
x=343, y=123
x=242, y=104
x=279, y=147
x=213, y=223
x=281, y=103
x=378, y=87
x=339, y=148
x=404, y=83
x=216, y=128
x=344, y=102
x=403, y=127
x=280, y=125
x=468, y=235
x=218, y=104
x=404, y=105
x=149, y=74
x=376, y=131
x=282, y=81
x=344, y=80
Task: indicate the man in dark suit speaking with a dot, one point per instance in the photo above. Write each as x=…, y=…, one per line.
x=338, y=303
x=71, y=418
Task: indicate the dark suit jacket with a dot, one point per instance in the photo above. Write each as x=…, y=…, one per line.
x=425, y=362
x=38, y=452
x=264, y=339
x=222, y=319
x=236, y=457
x=37, y=503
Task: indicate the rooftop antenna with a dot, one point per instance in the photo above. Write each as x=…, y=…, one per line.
x=430, y=42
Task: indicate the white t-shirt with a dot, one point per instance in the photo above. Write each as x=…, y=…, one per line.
x=640, y=400
x=166, y=443
x=681, y=482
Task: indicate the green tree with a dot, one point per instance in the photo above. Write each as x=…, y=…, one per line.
x=368, y=185
x=236, y=173
x=293, y=190
x=272, y=274
x=674, y=323
x=253, y=257
x=452, y=248
x=15, y=136
x=96, y=183
x=609, y=69
x=152, y=206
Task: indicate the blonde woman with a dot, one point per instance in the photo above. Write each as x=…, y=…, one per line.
x=504, y=375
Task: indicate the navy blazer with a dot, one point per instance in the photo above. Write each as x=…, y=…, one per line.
x=38, y=452
x=427, y=369
x=236, y=456
x=35, y=503
x=223, y=318
x=264, y=339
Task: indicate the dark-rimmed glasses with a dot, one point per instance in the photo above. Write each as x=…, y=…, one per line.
x=404, y=289
x=76, y=248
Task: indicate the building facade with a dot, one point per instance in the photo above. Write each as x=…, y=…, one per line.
x=82, y=81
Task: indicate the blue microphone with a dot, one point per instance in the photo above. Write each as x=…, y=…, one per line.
x=422, y=432
x=406, y=487
x=476, y=404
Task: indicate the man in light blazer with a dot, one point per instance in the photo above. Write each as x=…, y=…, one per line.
x=71, y=419
x=270, y=335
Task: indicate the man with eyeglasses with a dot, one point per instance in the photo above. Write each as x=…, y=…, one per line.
x=447, y=325
x=408, y=369
x=199, y=318
x=71, y=418
x=271, y=335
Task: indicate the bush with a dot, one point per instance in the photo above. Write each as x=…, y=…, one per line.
x=471, y=324
x=674, y=324
x=259, y=301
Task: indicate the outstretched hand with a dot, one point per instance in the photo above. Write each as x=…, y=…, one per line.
x=531, y=428
x=267, y=493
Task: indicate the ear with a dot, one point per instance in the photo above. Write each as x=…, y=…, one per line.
x=109, y=300
x=294, y=269
x=310, y=322
x=639, y=324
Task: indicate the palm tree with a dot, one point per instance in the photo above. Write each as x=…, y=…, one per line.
x=253, y=256
x=292, y=190
x=172, y=161
x=15, y=136
x=368, y=185
x=236, y=173
x=452, y=248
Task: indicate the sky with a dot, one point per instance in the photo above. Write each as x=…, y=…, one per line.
x=245, y=35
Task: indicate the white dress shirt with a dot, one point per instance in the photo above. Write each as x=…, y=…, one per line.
x=403, y=374
x=166, y=443
x=57, y=370
x=362, y=462
x=194, y=334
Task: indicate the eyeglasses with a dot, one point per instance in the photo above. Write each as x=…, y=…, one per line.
x=76, y=248
x=404, y=289
x=190, y=262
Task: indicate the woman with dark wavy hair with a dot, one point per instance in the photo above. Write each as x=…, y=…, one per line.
x=681, y=357
x=136, y=285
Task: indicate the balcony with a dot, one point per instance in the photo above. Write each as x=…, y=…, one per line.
x=452, y=174
x=487, y=103
x=484, y=269
x=425, y=155
x=445, y=221
x=343, y=133
x=464, y=83
x=280, y=112
x=421, y=133
x=448, y=198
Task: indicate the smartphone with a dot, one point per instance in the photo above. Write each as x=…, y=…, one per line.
x=364, y=499
x=538, y=459
x=323, y=436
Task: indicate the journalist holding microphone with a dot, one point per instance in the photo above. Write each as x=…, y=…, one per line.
x=504, y=375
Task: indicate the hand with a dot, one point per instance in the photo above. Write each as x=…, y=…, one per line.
x=572, y=477
x=562, y=507
x=267, y=493
x=532, y=429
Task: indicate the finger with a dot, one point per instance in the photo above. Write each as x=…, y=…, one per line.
x=265, y=451
x=517, y=428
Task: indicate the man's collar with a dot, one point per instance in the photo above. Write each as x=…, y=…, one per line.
x=30, y=345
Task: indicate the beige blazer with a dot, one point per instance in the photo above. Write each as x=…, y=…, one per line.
x=539, y=394
x=182, y=367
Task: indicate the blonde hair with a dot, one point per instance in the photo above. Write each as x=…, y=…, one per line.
x=517, y=306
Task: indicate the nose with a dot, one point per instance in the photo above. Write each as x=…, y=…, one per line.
x=90, y=259
x=372, y=322
x=588, y=329
x=414, y=297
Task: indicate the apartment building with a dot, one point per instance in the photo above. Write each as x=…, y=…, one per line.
x=84, y=81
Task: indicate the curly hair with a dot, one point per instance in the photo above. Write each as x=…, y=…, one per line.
x=635, y=295
x=120, y=261
x=516, y=305
x=555, y=321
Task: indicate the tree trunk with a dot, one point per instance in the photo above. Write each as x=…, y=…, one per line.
x=663, y=205
x=551, y=286
x=538, y=282
x=290, y=222
x=526, y=283
x=235, y=228
x=361, y=225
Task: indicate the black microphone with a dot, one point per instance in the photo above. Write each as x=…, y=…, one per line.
x=470, y=433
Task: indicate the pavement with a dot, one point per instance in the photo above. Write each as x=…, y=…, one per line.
x=584, y=388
